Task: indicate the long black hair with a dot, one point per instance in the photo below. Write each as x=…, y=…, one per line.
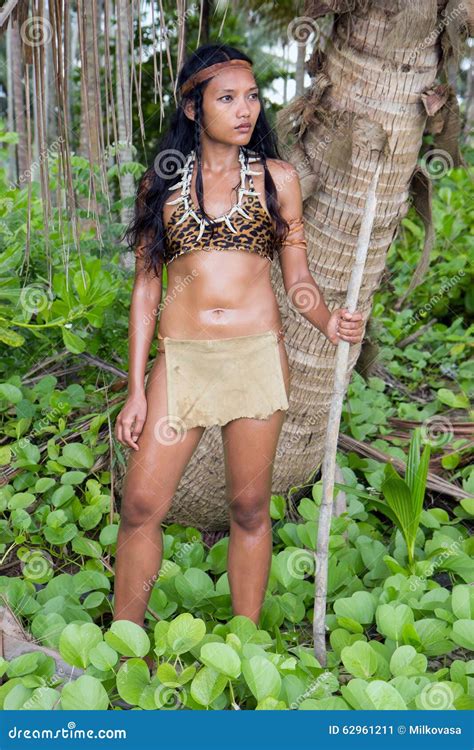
x=183, y=135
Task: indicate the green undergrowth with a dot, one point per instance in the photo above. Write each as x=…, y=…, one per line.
x=398, y=638
x=400, y=596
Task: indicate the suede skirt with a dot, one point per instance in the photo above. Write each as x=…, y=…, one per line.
x=212, y=381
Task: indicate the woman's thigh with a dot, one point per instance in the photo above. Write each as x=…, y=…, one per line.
x=155, y=470
x=249, y=450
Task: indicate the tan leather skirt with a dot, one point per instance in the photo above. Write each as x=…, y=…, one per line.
x=212, y=381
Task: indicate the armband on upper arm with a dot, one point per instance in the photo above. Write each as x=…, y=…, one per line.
x=296, y=236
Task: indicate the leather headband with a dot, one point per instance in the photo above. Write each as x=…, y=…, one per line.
x=210, y=72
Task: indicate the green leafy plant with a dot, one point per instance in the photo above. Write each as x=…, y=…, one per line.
x=403, y=496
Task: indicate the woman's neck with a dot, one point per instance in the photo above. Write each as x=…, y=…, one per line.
x=218, y=157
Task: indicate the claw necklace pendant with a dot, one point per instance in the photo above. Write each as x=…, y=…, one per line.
x=185, y=197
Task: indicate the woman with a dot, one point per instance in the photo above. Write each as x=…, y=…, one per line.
x=222, y=358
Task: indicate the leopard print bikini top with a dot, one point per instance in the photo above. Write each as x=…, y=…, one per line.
x=246, y=226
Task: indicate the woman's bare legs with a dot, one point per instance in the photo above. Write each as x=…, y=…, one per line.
x=249, y=451
x=152, y=477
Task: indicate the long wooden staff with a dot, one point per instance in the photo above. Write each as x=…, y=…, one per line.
x=332, y=431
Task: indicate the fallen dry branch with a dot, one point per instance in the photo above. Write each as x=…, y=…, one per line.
x=433, y=482
x=15, y=641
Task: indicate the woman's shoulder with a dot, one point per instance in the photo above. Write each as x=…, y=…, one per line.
x=285, y=177
x=281, y=171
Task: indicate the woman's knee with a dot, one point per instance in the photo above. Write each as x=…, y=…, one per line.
x=250, y=509
x=143, y=508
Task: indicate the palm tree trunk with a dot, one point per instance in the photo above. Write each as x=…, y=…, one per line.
x=366, y=100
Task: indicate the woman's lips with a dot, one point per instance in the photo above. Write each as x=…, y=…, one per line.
x=243, y=127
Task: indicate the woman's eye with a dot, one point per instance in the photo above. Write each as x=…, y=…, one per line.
x=228, y=96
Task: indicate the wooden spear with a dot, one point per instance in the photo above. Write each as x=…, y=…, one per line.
x=332, y=431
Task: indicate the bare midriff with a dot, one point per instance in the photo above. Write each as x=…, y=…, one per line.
x=216, y=294
x=219, y=294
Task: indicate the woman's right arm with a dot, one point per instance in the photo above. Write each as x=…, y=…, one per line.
x=144, y=307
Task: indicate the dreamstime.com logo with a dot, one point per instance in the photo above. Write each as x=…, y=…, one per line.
x=447, y=284
x=50, y=152
x=179, y=286
x=69, y=732
x=431, y=38
x=449, y=551
x=301, y=564
x=182, y=549
x=322, y=683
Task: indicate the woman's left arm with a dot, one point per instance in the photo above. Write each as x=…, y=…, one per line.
x=302, y=290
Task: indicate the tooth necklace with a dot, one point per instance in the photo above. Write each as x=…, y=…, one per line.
x=185, y=197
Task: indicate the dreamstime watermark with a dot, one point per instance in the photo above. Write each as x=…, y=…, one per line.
x=320, y=682
x=303, y=30
x=303, y=297
x=36, y=31
x=167, y=695
x=71, y=732
x=36, y=564
x=438, y=696
x=169, y=430
x=301, y=564
x=310, y=420
x=44, y=155
x=437, y=163
x=182, y=549
x=311, y=152
x=167, y=163
x=324, y=142
x=451, y=549
x=22, y=443
x=5, y=228
x=165, y=31
x=431, y=38
x=35, y=298
x=35, y=700
x=437, y=431
x=42, y=423
x=180, y=285
x=422, y=311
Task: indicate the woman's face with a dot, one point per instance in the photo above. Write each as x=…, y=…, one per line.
x=231, y=99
